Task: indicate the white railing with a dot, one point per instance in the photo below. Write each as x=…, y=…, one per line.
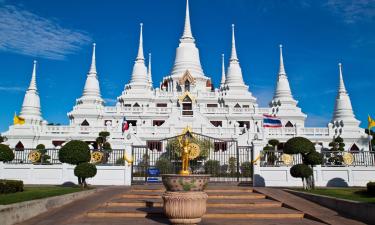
x=291, y=131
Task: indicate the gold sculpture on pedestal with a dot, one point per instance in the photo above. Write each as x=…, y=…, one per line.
x=189, y=150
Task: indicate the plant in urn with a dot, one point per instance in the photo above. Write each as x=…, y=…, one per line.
x=185, y=199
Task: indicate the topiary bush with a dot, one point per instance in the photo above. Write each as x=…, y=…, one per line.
x=301, y=170
x=6, y=154
x=10, y=186
x=313, y=158
x=247, y=169
x=212, y=167
x=310, y=158
x=371, y=188
x=75, y=152
x=298, y=145
x=83, y=171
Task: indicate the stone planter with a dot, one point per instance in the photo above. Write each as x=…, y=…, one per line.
x=185, y=199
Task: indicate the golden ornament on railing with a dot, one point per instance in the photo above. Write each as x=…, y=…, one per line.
x=96, y=157
x=348, y=158
x=128, y=160
x=287, y=159
x=34, y=156
x=194, y=150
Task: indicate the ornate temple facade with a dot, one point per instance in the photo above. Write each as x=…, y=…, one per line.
x=185, y=97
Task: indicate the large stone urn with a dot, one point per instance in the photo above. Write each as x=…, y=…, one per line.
x=185, y=199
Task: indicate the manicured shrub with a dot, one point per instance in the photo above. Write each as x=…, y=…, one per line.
x=83, y=171
x=164, y=165
x=212, y=167
x=313, y=158
x=298, y=145
x=274, y=142
x=40, y=147
x=246, y=169
x=371, y=188
x=75, y=152
x=301, y=171
x=10, y=186
x=6, y=154
x=120, y=161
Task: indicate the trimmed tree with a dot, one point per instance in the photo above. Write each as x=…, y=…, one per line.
x=6, y=154
x=83, y=171
x=77, y=153
x=310, y=158
x=103, y=145
x=337, y=145
x=43, y=153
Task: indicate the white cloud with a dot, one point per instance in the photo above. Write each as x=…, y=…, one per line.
x=353, y=11
x=26, y=33
x=12, y=89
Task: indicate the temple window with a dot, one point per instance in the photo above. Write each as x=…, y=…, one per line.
x=217, y=123
x=289, y=124
x=85, y=123
x=244, y=123
x=237, y=106
x=187, y=85
x=161, y=104
x=19, y=146
x=187, y=106
x=211, y=105
x=157, y=122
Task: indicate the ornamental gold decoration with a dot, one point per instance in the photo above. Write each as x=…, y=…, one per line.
x=287, y=159
x=34, y=156
x=96, y=157
x=128, y=160
x=194, y=151
x=348, y=158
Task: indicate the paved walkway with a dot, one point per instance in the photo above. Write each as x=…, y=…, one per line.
x=226, y=205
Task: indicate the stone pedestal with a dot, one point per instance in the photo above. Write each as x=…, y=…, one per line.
x=184, y=207
x=185, y=199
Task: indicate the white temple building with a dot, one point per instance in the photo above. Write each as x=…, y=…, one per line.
x=184, y=97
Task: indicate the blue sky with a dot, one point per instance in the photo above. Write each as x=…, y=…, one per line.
x=316, y=35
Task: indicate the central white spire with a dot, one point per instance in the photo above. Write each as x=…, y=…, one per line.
x=91, y=92
x=31, y=111
x=187, y=35
x=234, y=74
x=187, y=54
x=139, y=76
x=283, y=94
x=343, y=112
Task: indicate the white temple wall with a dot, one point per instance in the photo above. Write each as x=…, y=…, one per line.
x=351, y=176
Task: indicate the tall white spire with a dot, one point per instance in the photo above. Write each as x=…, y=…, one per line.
x=222, y=70
x=31, y=111
x=283, y=94
x=187, y=54
x=149, y=72
x=91, y=92
x=187, y=35
x=139, y=76
x=281, y=68
x=343, y=113
x=233, y=56
x=140, y=55
x=234, y=74
x=93, y=60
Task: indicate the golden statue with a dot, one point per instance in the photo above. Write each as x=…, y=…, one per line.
x=185, y=149
x=189, y=151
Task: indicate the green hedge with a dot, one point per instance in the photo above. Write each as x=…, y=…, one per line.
x=10, y=186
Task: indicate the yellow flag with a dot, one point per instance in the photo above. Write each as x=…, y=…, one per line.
x=18, y=120
x=371, y=122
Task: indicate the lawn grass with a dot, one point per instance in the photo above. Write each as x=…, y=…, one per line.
x=355, y=194
x=36, y=192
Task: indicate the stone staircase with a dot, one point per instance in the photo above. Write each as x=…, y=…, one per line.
x=226, y=205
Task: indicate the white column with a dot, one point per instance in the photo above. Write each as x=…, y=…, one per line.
x=258, y=180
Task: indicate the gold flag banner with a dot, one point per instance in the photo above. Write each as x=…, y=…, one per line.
x=371, y=122
x=18, y=120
